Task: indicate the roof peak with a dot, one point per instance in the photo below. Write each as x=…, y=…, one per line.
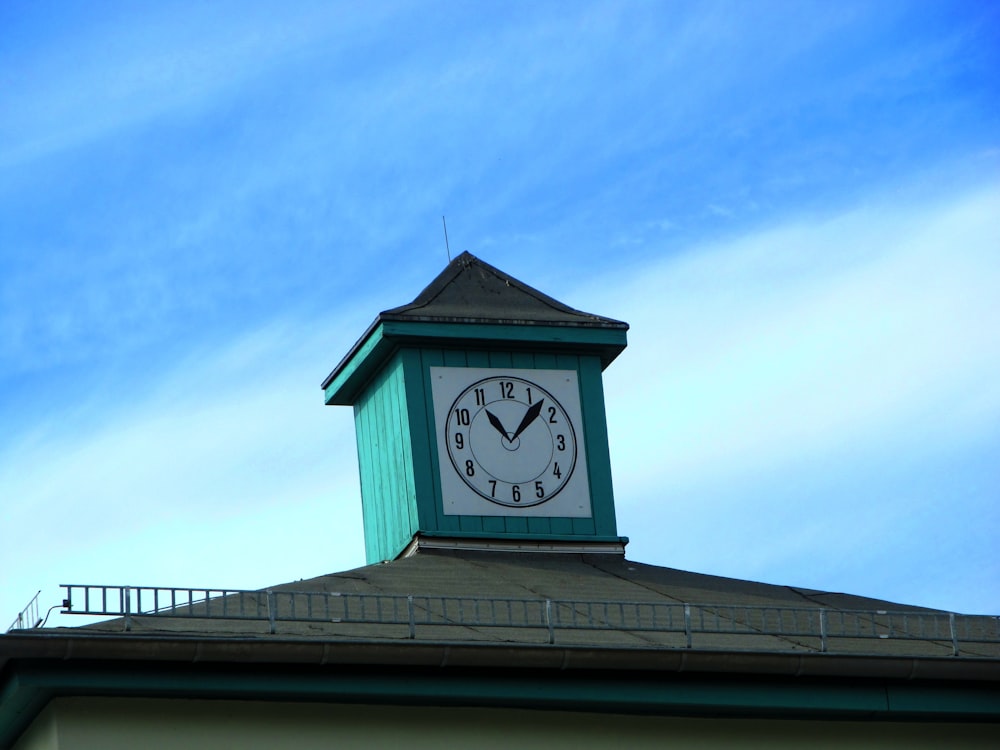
x=470, y=290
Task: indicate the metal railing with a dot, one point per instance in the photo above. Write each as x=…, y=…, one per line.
x=415, y=616
x=28, y=617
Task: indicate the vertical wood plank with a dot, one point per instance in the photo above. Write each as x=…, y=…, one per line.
x=515, y=525
x=493, y=524
x=541, y=526
x=523, y=360
x=547, y=361
x=561, y=526
x=501, y=359
x=477, y=358
x=598, y=455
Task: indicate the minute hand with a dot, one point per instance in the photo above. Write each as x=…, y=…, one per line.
x=529, y=417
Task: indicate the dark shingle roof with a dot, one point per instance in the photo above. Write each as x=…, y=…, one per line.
x=470, y=290
x=592, y=600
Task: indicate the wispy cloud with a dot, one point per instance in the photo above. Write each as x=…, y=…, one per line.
x=863, y=319
x=791, y=356
x=215, y=469
x=136, y=64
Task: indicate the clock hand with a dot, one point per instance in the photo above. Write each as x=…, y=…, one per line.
x=529, y=416
x=497, y=424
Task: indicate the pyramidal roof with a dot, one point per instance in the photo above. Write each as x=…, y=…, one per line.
x=471, y=291
x=472, y=300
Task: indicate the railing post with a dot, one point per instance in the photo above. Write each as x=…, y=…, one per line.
x=954, y=634
x=410, y=616
x=127, y=593
x=822, y=630
x=548, y=621
x=271, y=613
x=687, y=623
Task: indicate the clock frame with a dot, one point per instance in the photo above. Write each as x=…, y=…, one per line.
x=510, y=442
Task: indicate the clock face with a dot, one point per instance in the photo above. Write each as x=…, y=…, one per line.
x=510, y=442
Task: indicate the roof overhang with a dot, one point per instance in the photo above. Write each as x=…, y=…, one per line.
x=385, y=336
x=37, y=667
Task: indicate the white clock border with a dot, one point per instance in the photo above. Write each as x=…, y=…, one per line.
x=573, y=500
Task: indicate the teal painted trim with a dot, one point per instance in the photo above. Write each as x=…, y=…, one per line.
x=614, y=338
x=20, y=702
x=595, y=422
x=422, y=445
x=349, y=378
x=526, y=536
x=929, y=699
x=29, y=687
x=344, y=383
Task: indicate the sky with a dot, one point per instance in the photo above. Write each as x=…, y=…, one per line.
x=795, y=206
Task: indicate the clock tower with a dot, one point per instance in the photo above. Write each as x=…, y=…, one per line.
x=479, y=412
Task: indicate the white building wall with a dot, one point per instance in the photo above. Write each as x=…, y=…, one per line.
x=161, y=724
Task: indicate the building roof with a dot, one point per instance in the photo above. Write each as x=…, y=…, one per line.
x=470, y=290
x=554, y=630
x=588, y=602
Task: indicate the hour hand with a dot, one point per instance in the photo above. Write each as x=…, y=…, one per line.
x=497, y=424
x=529, y=416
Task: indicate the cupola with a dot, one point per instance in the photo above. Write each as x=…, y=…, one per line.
x=480, y=420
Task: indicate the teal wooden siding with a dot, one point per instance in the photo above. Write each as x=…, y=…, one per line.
x=398, y=455
x=385, y=460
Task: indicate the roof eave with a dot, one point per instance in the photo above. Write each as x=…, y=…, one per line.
x=387, y=333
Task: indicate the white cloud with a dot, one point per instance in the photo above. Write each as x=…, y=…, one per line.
x=807, y=338
x=810, y=405
x=231, y=469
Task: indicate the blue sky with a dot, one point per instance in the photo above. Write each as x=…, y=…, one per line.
x=795, y=205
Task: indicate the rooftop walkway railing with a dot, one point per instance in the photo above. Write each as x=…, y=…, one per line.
x=422, y=617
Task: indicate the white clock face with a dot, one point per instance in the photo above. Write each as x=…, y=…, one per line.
x=510, y=442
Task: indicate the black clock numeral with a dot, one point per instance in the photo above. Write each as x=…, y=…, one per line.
x=459, y=441
x=552, y=415
x=493, y=488
x=561, y=442
x=480, y=397
x=462, y=416
x=515, y=493
x=539, y=490
x=556, y=472
x=529, y=395
x=470, y=469
x=506, y=389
